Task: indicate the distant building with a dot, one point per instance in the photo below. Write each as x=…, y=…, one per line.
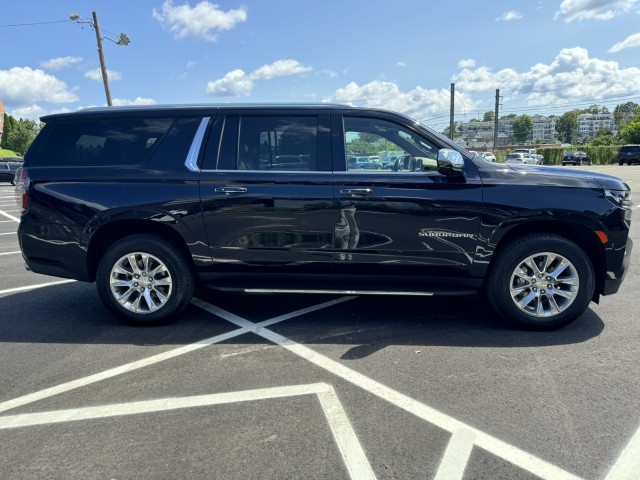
x=589, y=124
x=480, y=134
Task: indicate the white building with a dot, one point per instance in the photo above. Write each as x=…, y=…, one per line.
x=589, y=124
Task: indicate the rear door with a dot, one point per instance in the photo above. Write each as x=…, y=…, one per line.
x=406, y=218
x=266, y=190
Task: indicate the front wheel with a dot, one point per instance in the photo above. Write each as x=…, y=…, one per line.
x=541, y=282
x=145, y=280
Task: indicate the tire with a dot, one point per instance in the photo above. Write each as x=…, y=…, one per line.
x=513, y=284
x=120, y=283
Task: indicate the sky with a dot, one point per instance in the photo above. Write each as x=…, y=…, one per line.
x=546, y=56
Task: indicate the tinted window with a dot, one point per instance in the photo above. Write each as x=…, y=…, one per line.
x=631, y=149
x=374, y=145
x=103, y=142
x=278, y=143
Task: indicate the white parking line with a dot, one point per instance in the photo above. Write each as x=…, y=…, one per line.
x=627, y=466
x=145, y=362
x=32, y=287
x=501, y=449
x=456, y=456
x=10, y=253
x=9, y=233
x=460, y=445
x=15, y=219
x=352, y=453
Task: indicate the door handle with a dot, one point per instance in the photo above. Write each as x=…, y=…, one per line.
x=231, y=190
x=356, y=191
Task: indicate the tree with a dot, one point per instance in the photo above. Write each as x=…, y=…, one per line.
x=630, y=133
x=567, y=126
x=21, y=135
x=456, y=134
x=604, y=137
x=596, y=110
x=522, y=128
x=624, y=112
x=9, y=124
x=489, y=116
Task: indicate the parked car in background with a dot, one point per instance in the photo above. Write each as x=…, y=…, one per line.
x=485, y=155
x=629, y=154
x=8, y=171
x=533, y=152
x=522, y=158
x=576, y=158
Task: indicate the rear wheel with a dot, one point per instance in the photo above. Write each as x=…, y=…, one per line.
x=542, y=282
x=145, y=280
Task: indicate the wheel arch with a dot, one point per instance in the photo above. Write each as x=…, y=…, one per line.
x=578, y=233
x=111, y=232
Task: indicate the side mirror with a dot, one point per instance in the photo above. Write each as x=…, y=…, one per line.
x=450, y=162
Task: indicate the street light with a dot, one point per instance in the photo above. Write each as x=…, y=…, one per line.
x=123, y=39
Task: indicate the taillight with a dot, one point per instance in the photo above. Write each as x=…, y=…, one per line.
x=22, y=190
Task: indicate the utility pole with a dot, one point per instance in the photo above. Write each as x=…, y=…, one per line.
x=495, y=120
x=103, y=66
x=453, y=92
x=123, y=39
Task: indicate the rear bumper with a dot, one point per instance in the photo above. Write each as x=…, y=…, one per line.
x=50, y=250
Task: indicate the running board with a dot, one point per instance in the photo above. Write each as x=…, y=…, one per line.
x=335, y=292
x=339, y=291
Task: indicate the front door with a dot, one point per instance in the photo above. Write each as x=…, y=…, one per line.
x=396, y=214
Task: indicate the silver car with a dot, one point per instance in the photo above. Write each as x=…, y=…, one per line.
x=522, y=158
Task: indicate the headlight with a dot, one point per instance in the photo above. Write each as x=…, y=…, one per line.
x=620, y=198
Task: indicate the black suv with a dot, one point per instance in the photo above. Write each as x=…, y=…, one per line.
x=8, y=167
x=150, y=202
x=629, y=154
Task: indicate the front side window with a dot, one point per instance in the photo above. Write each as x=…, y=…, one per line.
x=375, y=145
x=278, y=143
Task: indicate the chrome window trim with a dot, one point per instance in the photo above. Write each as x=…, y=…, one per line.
x=272, y=172
x=192, y=157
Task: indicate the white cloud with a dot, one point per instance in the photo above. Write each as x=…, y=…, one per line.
x=467, y=63
x=30, y=112
x=200, y=21
x=138, y=101
x=279, y=68
x=34, y=112
x=572, y=76
x=632, y=41
x=96, y=75
x=234, y=84
x=238, y=83
x=22, y=85
x=60, y=62
x=401, y=64
x=509, y=16
x=571, y=10
x=417, y=103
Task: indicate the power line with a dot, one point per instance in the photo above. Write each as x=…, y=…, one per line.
x=31, y=24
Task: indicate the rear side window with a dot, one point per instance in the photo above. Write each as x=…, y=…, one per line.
x=278, y=143
x=103, y=142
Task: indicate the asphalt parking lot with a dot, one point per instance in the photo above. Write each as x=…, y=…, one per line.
x=309, y=386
